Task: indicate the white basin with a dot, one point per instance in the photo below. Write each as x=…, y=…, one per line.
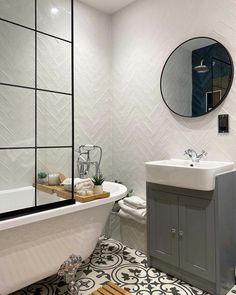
x=185, y=174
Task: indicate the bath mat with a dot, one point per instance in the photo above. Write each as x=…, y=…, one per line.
x=110, y=288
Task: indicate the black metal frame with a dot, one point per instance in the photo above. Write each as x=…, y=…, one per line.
x=230, y=81
x=35, y=209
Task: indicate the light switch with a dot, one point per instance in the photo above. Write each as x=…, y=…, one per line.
x=223, y=123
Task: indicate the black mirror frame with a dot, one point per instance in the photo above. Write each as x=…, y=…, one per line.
x=228, y=88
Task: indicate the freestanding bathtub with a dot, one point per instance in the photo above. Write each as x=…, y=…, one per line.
x=34, y=246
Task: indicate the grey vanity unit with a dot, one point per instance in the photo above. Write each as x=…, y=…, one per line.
x=191, y=233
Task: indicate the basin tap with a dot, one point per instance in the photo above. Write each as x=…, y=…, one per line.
x=194, y=156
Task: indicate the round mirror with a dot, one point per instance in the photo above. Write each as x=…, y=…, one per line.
x=196, y=77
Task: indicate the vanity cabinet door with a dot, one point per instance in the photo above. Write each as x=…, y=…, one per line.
x=197, y=237
x=163, y=226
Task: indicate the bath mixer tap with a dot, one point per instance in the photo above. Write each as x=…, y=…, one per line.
x=194, y=156
x=84, y=163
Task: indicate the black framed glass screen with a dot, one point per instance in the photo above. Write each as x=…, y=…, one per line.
x=36, y=103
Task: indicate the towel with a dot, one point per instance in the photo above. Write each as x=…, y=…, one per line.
x=86, y=185
x=79, y=184
x=68, y=181
x=135, y=202
x=137, y=213
x=123, y=214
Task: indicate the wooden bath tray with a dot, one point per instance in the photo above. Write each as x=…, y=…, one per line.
x=59, y=190
x=83, y=199
x=110, y=288
x=44, y=187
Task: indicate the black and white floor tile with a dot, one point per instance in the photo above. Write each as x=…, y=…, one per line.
x=232, y=291
x=112, y=261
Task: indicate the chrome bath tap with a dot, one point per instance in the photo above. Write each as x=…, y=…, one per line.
x=194, y=156
x=86, y=167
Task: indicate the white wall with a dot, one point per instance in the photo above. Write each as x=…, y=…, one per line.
x=92, y=81
x=118, y=105
x=144, y=34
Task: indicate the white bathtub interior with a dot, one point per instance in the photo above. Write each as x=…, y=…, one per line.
x=22, y=198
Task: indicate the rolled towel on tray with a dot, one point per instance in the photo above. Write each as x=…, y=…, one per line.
x=76, y=181
x=85, y=185
x=79, y=184
x=135, y=202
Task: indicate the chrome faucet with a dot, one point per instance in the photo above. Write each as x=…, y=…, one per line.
x=194, y=156
x=85, y=166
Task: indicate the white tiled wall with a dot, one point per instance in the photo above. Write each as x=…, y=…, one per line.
x=118, y=105
x=92, y=81
x=144, y=34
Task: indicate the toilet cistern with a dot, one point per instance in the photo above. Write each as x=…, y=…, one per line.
x=194, y=156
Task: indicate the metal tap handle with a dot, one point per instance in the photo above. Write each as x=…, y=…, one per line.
x=204, y=153
x=173, y=231
x=181, y=233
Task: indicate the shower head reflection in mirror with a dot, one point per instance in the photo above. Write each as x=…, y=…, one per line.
x=202, y=68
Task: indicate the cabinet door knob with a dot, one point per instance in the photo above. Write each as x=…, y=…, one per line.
x=181, y=233
x=173, y=231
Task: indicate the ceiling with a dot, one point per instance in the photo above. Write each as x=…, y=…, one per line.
x=108, y=6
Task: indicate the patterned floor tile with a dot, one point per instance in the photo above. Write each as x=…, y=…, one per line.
x=112, y=261
x=232, y=291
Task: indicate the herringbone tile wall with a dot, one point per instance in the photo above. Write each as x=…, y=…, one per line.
x=93, y=97
x=144, y=34
x=118, y=105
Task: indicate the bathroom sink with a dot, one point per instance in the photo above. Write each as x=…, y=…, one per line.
x=185, y=173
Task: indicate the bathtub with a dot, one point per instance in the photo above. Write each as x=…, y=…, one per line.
x=22, y=198
x=33, y=247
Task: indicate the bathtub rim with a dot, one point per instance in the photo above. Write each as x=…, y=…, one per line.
x=52, y=213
